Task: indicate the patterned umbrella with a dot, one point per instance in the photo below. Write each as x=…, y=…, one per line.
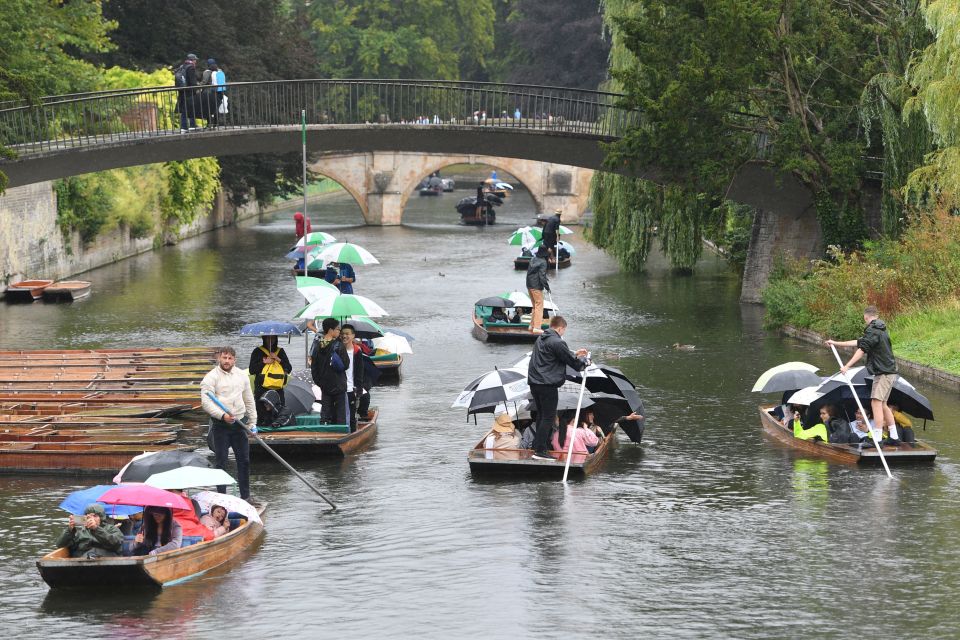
x=344, y=252
x=231, y=503
x=341, y=306
x=787, y=376
x=315, y=239
x=270, y=328
x=525, y=237
x=500, y=386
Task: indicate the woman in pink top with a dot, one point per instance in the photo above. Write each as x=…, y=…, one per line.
x=582, y=437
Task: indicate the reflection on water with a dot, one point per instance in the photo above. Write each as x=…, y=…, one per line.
x=706, y=530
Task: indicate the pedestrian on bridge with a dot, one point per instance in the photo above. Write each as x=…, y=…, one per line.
x=184, y=78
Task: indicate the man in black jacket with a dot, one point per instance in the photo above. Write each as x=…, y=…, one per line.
x=546, y=374
x=881, y=364
x=536, y=284
x=185, y=78
x=550, y=231
x=328, y=366
x=354, y=373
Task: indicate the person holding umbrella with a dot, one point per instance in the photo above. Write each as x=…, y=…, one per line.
x=328, y=366
x=270, y=368
x=546, y=373
x=875, y=343
x=537, y=283
x=232, y=387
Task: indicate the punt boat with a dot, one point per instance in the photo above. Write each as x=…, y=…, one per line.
x=26, y=290
x=133, y=439
x=99, y=397
x=59, y=570
x=523, y=262
x=71, y=458
x=865, y=454
x=388, y=365
x=488, y=331
x=311, y=441
x=55, y=408
x=66, y=290
x=518, y=462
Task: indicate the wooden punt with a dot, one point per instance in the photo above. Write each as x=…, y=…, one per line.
x=848, y=453
x=99, y=397
x=61, y=376
x=65, y=458
x=518, y=462
x=388, y=365
x=66, y=290
x=520, y=263
x=60, y=571
x=26, y=290
x=488, y=332
x=148, y=438
x=74, y=419
x=314, y=443
x=87, y=409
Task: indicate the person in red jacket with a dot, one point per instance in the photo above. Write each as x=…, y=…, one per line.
x=302, y=224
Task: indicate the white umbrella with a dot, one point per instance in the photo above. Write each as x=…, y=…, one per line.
x=503, y=185
x=206, y=499
x=189, y=477
x=805, y=396
x=521, y=299
x=393, y=343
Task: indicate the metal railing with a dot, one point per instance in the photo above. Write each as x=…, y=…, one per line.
x=90, y=119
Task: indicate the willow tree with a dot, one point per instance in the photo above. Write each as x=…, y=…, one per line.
x=934, y=78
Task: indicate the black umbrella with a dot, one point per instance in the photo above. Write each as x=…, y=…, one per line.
x=604, y=379
x=141, y=468
x=608, y=407
x=298, y=397
x=567, y=401
x=494, y=301
x=907, y=398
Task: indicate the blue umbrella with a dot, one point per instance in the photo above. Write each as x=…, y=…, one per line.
x=270, y=328
x=402, y=333
x=78, y=501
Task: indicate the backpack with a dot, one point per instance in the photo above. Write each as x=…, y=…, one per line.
x=180, y=76
x=274, y=377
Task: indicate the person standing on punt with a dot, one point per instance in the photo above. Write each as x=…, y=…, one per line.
x=550, y=232
x=875, y=343
x=546, y=374
x=536, y=284
x=232, y=387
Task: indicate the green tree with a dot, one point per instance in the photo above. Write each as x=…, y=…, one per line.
x=431, y=39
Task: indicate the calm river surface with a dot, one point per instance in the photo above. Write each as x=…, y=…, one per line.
x=706, y=530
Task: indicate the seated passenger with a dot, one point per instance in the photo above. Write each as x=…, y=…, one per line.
x=92, y=536
x=904, y=424
x=498, y=315
x=860, y=427
x=817, y=431
x=515, y=318
x=582, y=436
x=216, y=521
x=131, y=526
x=504, y=436
x=160, y=532
x=838, y=428
x=189, y=519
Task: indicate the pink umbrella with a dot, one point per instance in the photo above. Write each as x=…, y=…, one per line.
x=143, y=495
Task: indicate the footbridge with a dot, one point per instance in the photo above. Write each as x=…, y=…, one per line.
x=61, y=136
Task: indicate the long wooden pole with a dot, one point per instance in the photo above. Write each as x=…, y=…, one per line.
x=576, y=422
x=269, y=450
x=856, y=398
x=303, y=140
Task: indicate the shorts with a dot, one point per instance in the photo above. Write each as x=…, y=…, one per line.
x=882, y=386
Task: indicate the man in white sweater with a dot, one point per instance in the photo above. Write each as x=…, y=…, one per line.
x=232, y=387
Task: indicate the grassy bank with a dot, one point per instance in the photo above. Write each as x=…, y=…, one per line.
x=915, y=282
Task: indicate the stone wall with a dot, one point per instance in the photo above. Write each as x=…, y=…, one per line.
x=32, y=245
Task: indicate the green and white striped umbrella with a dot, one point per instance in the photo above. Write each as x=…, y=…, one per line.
x=345, y=304
x=344, y=252
x=561, y=244
x=525, y=237
x=314, y=289
x=316, y=239
x=563, y=231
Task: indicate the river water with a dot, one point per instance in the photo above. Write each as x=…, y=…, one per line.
x=706, y=530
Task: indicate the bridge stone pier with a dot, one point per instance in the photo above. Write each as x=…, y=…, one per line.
x=382, y=181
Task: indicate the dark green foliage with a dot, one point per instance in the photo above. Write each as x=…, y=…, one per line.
x=267, y=176
x=83, y=205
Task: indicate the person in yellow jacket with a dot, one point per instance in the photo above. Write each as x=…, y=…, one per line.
x=269, y=369
x=816, y=431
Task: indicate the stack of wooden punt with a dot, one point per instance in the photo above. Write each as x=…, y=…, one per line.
x=90, y=411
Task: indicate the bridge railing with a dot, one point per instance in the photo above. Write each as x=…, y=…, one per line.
x=83, y=120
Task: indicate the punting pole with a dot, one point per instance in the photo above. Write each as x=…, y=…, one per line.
x=303, y=141
x=263, y=444
x=863, y=412
x=576, y=421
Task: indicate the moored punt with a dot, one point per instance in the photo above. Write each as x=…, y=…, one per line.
x=81, y=420
x=59, y=570
x=321, y=440
x=148, y=438
x=523, y=262
x=26, y=290
x=518, y=462
x=921, y=452
x=388, y=365
x=66, y=290
x=99, y=397
x=71, y=458
x=502, y=331
x=57, y=408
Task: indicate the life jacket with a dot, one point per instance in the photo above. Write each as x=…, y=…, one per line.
x=274, y=377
